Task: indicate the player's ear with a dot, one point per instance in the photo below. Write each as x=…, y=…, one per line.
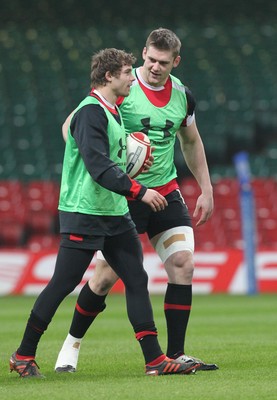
x=176, y=61
x=144, y=51
x=108, y=76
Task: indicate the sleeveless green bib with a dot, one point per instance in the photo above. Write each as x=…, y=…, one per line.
x=160, y=124
x=79, y=192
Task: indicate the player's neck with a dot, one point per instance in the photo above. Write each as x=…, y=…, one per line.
x=106, y=96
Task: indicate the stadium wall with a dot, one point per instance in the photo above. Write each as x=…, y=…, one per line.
x=25, y=272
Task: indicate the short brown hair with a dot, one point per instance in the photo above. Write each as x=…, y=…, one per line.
x=164, y=39
x=111, y=60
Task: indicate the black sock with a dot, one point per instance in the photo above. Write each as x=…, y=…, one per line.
x=146, y=334
x=34, y=330
x=177, y=306
x=88, y=306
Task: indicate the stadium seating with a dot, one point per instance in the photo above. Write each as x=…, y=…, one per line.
x=29, y=217
x=27, y=209
x=44, y=241
x=12, y=234
x=224, y=230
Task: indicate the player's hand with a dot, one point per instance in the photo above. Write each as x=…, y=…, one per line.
x=149, y=162
x=204, y=208
x=155, y=200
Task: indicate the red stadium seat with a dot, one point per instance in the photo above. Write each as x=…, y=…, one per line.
x=10, y=212
x=226, y=187
x=12, y=234
x=43, y=241
x=189, y=188
x=42, y=195
x=264, y=185
x=41, y=221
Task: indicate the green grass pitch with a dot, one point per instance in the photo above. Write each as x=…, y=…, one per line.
x=239, y=333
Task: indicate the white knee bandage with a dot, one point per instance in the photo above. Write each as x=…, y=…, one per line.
x=176, y=239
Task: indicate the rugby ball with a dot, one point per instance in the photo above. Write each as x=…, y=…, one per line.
x=138, y=151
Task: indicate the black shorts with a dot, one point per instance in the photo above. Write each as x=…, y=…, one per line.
x=91, y=242
x=87, y=242
x=152, y=223
x=83, y=231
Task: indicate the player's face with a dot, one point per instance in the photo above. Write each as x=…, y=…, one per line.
x=157, y=65
x=122, y=83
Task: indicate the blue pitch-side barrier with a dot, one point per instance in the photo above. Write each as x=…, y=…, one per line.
x=248, y=216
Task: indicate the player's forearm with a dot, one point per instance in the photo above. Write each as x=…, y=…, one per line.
x=115, y=180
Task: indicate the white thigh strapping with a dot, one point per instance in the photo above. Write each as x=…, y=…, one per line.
x=176, y=239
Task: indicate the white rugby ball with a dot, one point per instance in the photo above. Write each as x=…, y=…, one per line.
x=138, y=151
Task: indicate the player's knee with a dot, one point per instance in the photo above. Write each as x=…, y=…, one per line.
x=65, y=284
x=136, y=282
x=144, y=279
x=183, y=259
x=102, y=285
x=180, y=267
